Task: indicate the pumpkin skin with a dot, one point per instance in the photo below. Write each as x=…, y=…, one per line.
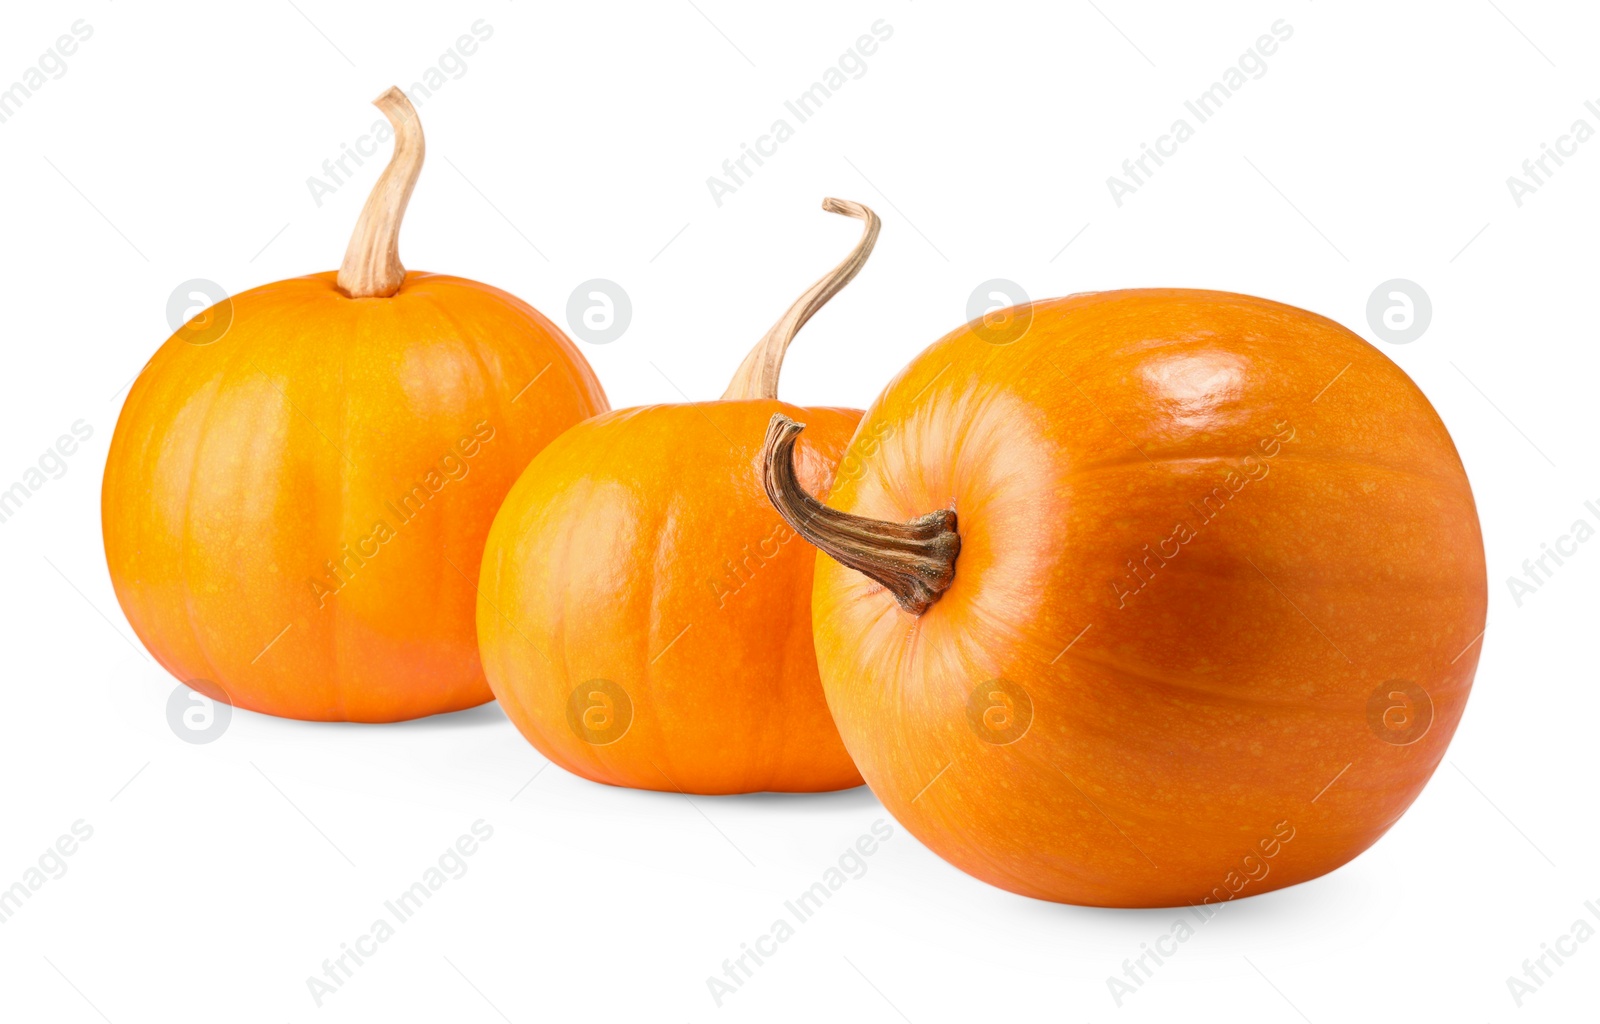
x=1185, y=721
x=640, y=549
x=240, y=468
x=645, y=616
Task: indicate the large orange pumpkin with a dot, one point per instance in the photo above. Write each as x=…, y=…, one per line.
x=301, y=480
x=1164, y=596
x=645, y=617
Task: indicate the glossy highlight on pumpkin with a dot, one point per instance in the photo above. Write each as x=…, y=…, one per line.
x=1215, y=614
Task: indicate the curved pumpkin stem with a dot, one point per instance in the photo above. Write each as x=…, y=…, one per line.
x=915, y=561
x=371, y=267
x=757, y=376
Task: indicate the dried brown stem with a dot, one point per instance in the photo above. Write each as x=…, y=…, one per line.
x=915, y=561
x=757, y=376
x=371, y=267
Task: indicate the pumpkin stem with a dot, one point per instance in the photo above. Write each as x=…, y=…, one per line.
x=371, y=267
x=757, y=376
x=915, y=560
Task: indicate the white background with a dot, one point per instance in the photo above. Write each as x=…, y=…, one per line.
x=178, y=144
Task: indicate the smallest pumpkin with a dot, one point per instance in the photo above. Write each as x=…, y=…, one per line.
x=645, y=615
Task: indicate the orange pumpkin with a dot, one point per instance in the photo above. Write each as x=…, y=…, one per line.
x=301, y=480
x=1193, y=615
x=645, y=617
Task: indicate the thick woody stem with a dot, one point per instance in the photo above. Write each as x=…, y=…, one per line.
x=371, y=267
x=757, y=376
x=915, y=561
